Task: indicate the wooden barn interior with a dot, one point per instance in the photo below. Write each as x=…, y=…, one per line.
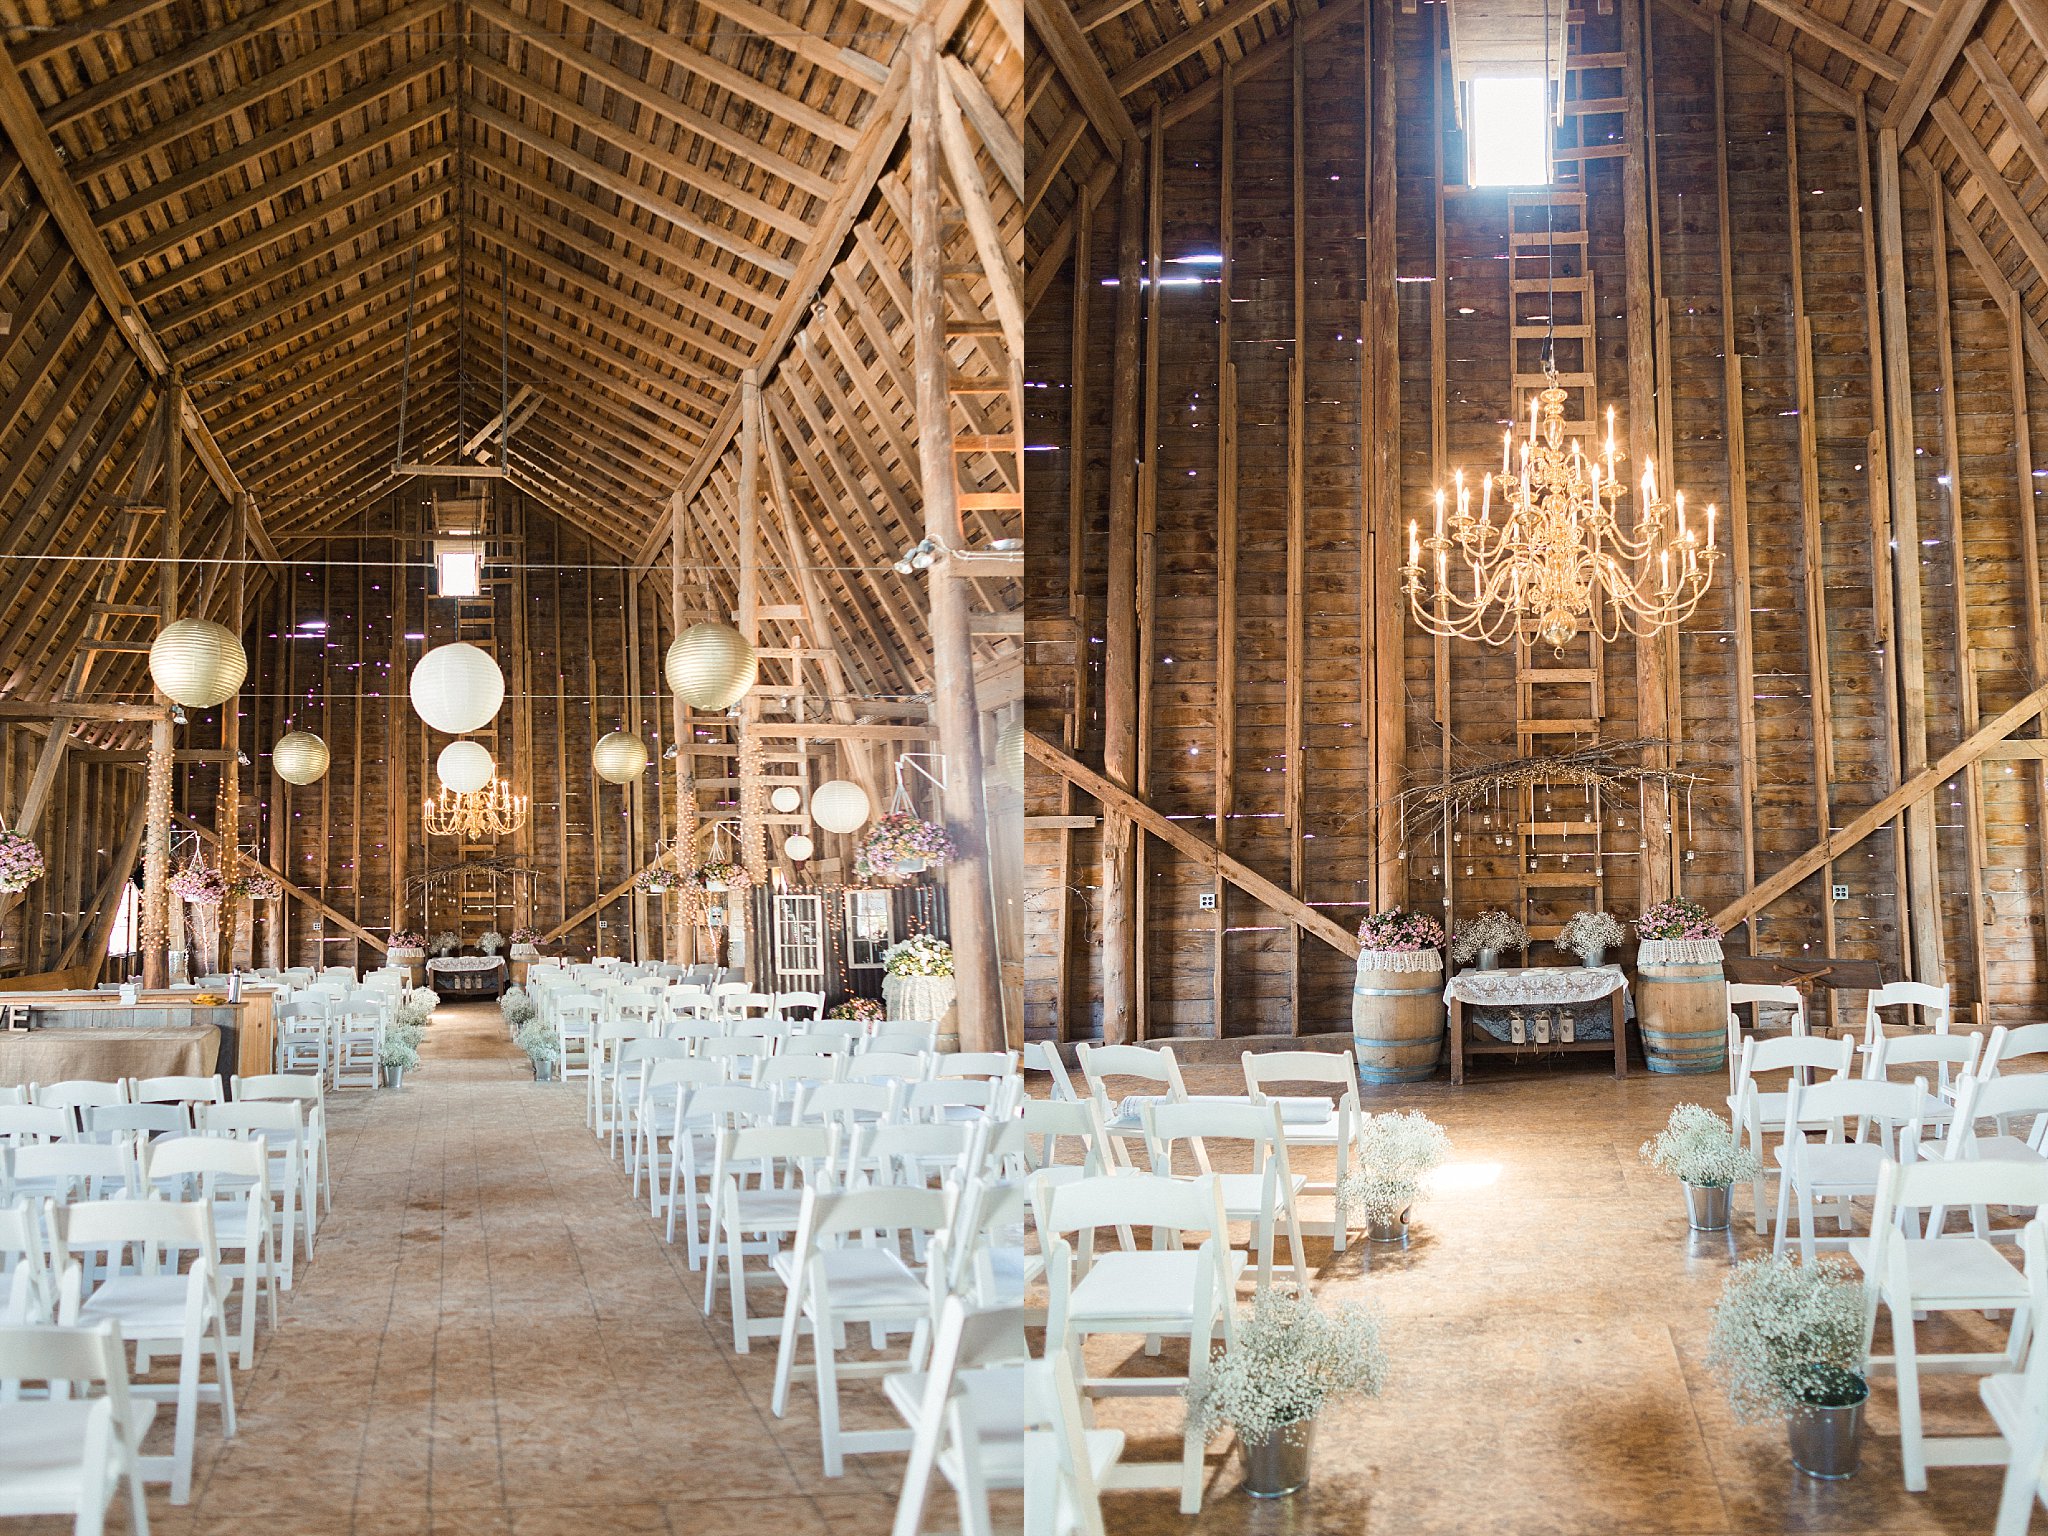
x=663, y=356
x=1293, y=272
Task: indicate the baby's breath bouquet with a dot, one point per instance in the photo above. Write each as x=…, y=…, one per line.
x=415, y=1008
x=1699, y=1147
x=446, y=942
x=1788, y=1336
x=1290, y=1360
x=1589, y=935
x=519, y=1007
x=1394, y=1152
x=1488, y=931
x=491, y=942
x=539, y=1041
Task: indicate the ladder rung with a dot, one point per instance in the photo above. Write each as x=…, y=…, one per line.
x=1559, y=828
x=127, y=610
x=962, y=384
x=1542, y=380
x=991, y=501
x=985, y=442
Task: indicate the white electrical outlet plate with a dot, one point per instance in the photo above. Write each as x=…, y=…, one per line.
x=1208, y=901
x=1840, y=892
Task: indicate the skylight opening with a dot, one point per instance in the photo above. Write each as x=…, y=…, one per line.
x=1508, y=128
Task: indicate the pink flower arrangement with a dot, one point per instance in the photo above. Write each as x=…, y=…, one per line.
x=257, y=885
x=901, y=839
x=864, y=1010
x=406, y=938
x=656, y=882
x=526, y=936
x=200, y=884
x=719, y=872
x=21, y=862
x=1678, y=918
x=1401, y=930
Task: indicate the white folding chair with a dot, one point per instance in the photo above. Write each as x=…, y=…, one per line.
x=34, y=1291
x=1907, y=995
x=309, y=1091
x=576, y=1018
x=1757, y=997
x=844, y=1103
x=280, y=1125
x=872, y=1066
x=185, y=1091
x=77, y=1094
x=758, y=1178
x=1313, y=1121
x=800, y=1005
x=2010, y=1043
x=699, y=1115
x=839, y=1274
x=960, y=1099
x=1263, y=1199
x=359, y=1047
x=66, y=1453
x=985, y=1064
x=895, y=1037
x=233, y=1178
x=656, y=1087
x=1182, y=1292
x=966, y=1412
x=65, y=1171
x=1838, y=1171
x=1155, y=1066
x=22, y=1123
x=2009, y=1103
x=2018, y=1400
x=115, y=1122
x=1911, y=1275
x=1756, y=1113
x=1044, y=1056
x=1893, y=1057
x=159, y=1307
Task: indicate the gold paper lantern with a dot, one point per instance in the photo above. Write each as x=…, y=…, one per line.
x=799, y=847
x=840, y=805
x=464, y=766
x=300, y=758
x=711, y=666
x=457, y=688
x=619, y=757
x=1010, y=754
x=197, y=663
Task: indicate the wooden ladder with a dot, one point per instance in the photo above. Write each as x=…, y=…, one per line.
x=1560, y=695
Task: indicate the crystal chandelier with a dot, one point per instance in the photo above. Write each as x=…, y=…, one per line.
x=1556, y=559
x=491, y=812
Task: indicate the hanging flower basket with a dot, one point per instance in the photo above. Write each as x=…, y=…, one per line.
x=719, y=875
x=656, y=882
x=21, y=862
x=200, y=885
x=257, y=886
x=902, y=844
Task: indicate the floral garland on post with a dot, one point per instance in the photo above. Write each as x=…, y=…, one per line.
x=257, y=885
x=753, y=805
x=21, y=863
x=898, y=840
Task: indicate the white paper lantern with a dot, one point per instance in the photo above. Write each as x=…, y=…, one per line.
x=197, y=663
x=786, y=798
x=465, y=765
x=457, y=688
x=1010, y=754
x=799, y=847
x=300, y=758
x=619, y=757
x=840, y=805
x=711, y=666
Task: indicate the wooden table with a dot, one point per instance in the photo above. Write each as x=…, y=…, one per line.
x=1478, y=1043
x=247, y=1031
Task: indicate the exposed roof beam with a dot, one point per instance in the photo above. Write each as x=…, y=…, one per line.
x=38, y=154
x=1075, y=58
x=1936, y=55
x=1972, y=155
x=311, y=329
x=1177, y=50
x=1843, y=41
x=2019, y=117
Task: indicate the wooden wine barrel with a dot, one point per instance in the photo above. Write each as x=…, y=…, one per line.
x=1683, y=1012
x=1397, y=1024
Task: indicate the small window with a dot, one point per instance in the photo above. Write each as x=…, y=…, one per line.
x=867, y=929
x=458, y=568
x=126, y=937
x=1507, y=123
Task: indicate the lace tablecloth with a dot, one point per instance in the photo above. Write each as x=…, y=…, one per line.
x=463, y=963
x=1496, y=1001
x=919, y=997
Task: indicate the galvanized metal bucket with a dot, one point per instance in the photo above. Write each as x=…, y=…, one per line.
x=1706, y=1207
x=1278, y=1465
x=1826, y=1441
x=1394, y=1231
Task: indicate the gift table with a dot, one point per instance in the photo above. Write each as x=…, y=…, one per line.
x=465, y=976
x=1538, y=993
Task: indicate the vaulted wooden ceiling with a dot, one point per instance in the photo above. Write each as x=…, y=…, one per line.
x=326, y=215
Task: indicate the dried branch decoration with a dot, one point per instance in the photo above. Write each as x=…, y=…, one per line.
x=1605, y=765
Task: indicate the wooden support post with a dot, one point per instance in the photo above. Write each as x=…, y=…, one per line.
x=1383, y=460
x=2030, y=555
x=1120, y=629
x=686, y=761
x=156, y=867
x=1653, y=679
x=1148, y=565
x=1077, y=610
x=753, y=793
x=1923, y=879
x=1738, y=488
x=227, y=809
x=1225, y=768
x=1294, y=759
x=970, y=901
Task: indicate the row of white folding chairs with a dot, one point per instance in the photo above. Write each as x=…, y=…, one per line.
x=747, y=1050
x=345, y=1050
